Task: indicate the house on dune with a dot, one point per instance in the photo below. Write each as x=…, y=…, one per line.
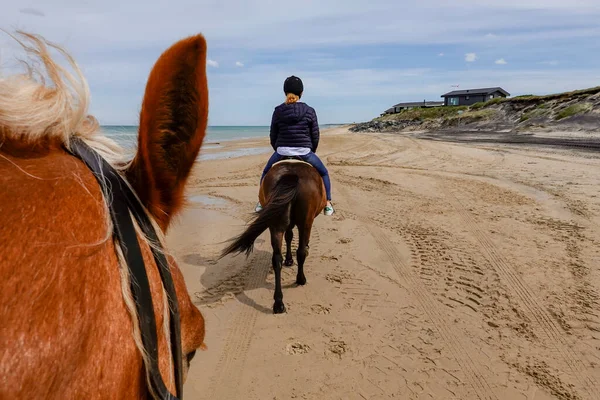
x=466, y=97
x=469, y=97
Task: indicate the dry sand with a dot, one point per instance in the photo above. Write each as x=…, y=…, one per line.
x=450, y=271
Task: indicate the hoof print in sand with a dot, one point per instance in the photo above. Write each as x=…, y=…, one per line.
x=320, y=309
x=338, y=347
x=297, y=348
x=338, y=278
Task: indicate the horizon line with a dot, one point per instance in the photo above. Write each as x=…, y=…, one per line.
x=239, y=126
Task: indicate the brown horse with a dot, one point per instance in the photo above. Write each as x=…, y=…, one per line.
x=292, y=194
x=69, y=317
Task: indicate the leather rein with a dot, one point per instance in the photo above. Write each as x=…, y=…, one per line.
x=122, y=205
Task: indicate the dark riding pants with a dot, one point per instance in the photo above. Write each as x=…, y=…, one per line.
x=310, y=158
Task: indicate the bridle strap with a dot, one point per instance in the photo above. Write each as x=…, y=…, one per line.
x=122, y=204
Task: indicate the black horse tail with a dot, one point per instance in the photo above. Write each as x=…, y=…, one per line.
x=276, y=213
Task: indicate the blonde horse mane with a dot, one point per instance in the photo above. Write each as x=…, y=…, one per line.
x=33, y=112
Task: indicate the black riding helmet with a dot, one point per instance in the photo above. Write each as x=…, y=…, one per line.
x=294, y=85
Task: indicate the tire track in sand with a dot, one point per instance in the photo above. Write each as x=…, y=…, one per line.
x=443, y=263
x=459, y=351
x=229, y=370
x=546, y=326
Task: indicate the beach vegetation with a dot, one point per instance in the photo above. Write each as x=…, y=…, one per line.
x=573, y=109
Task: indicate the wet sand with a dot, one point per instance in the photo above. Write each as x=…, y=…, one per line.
x=449, y=271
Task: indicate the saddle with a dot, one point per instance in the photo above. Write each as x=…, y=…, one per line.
x=291, y=159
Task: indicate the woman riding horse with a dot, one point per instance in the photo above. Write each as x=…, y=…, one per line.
x=295, y=133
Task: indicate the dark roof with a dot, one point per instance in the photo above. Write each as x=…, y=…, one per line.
x=420, y=103
x=476, y=91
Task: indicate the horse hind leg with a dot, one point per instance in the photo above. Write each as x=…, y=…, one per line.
x=289, y=236
x=302, y=252
x=276, y=243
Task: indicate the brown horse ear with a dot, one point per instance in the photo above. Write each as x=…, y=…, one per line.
x=173, y=124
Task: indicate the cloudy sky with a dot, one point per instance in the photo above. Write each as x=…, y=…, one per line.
x=356, y=57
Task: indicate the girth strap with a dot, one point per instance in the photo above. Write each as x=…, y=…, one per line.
x=122, y=204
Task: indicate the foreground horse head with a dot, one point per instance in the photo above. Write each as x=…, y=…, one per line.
x=69, y=321
x=292, y=194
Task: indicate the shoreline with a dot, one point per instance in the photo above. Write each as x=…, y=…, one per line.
x=247, y=146
x=241, y=148
x=228, y=149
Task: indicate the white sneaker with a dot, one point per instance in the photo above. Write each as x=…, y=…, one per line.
x=258, y=207
x=329, y=210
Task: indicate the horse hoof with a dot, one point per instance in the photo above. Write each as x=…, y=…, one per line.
x=288, y=263
x=301, y=281
x=278, y=308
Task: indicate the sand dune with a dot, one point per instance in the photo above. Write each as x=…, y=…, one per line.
x=450, y=271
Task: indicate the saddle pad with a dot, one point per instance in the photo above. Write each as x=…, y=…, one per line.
x=291, y=161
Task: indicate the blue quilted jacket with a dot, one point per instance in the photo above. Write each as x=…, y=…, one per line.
x=294, y=125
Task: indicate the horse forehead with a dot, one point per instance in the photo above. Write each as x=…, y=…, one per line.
x=39, y=164
x=51, y=210
x=52, y=193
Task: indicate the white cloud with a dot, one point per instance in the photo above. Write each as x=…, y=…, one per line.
x=116, y=50
x=501, y=61
x=32, y=11
x=366, y=92
x=258, y=23
x=470, y=57
x=239, y=64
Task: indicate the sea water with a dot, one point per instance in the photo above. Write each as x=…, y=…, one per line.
x=126, y=136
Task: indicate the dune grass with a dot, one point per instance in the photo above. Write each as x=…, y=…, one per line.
x=572, y=110
x=535, y=113
x=557, y=96
x=475, y=115
x=421, y=114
